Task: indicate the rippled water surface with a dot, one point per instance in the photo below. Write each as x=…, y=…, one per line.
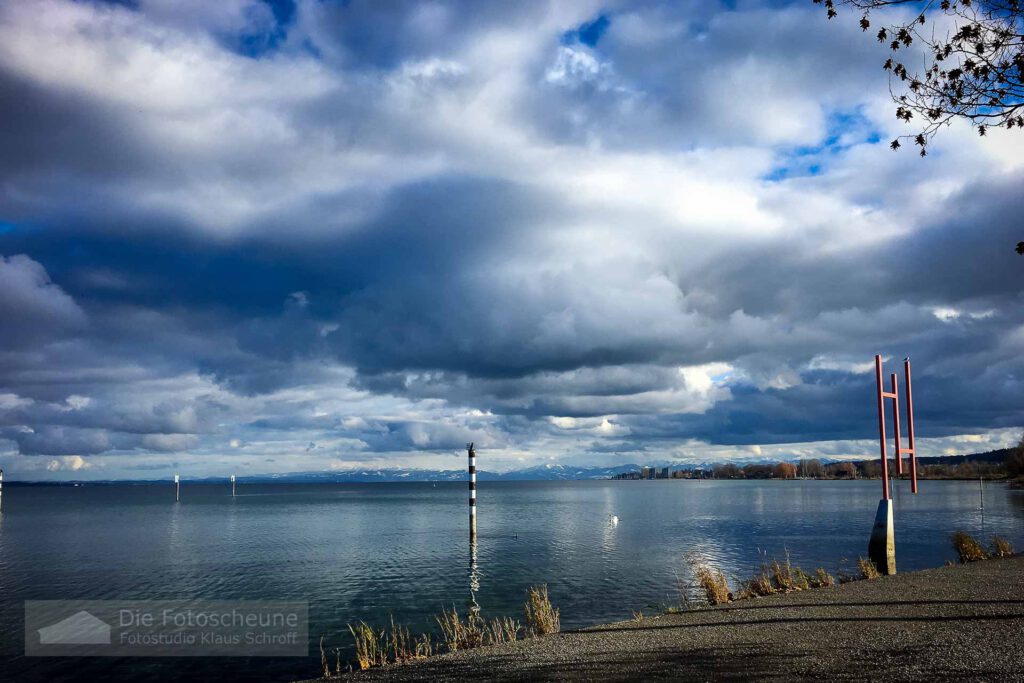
x=369, y=550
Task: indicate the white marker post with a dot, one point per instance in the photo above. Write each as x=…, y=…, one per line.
x=232, y=486
x=177, y=488
x=472, y=493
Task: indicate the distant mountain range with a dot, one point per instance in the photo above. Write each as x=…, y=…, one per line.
x=547, y=472
x=550, y=472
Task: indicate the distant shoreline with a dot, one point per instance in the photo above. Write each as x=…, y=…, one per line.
x=16, y=483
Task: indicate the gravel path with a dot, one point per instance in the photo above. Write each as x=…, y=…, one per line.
x=955, y=622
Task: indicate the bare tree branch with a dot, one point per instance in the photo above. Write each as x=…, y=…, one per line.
x=973, y=62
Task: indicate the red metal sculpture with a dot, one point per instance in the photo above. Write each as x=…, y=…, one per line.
x=882, y=544
x=899, y=451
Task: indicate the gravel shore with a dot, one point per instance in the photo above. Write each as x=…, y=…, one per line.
x=961, y=622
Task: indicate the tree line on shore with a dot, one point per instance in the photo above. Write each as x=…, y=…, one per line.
x=1006, y=464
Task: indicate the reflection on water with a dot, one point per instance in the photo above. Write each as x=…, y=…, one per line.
x=365, y=552
x=474, y=580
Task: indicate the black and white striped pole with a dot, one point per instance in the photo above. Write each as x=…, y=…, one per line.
x=472, y=493
x=177, y=488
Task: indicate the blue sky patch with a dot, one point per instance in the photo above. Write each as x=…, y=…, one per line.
x=845, y=129
x=589, y=33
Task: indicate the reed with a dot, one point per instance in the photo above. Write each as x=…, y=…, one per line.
x=541, y=615
x=402, y=646
x=424, y=646
x=501, y=630
x=867, y=568
x=967, y=547
x=822, y=579
x=785, y=577
x=459, y=634
x=713, y=583
x=1001, y=547
x=779, y=577
x=371, y=645
x=758, y=585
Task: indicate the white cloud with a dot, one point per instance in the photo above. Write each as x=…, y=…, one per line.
x=574, y=66
x=71, y=463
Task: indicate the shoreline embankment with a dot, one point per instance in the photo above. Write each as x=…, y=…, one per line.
x=960, y=622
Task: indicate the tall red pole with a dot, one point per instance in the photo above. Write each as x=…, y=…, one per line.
x=881, y=428
x=910, y=427
x=896, y=425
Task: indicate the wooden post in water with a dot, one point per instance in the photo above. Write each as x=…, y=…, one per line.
x=472, y=492
x=177, y=488
x=1, y=489
x=232, y=486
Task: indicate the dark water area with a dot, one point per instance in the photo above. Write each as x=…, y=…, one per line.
x=368, y=551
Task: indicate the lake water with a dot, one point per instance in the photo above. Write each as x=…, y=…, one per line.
x=364, y=551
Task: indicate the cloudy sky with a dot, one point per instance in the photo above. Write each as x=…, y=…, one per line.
x=251, y=237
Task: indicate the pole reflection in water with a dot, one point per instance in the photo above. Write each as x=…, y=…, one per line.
x=474, y=581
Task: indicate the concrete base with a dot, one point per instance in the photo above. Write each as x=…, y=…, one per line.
x=882, y=546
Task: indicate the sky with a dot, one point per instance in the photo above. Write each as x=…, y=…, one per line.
x=253, y=237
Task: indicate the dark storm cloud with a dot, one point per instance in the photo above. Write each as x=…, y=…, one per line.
x=63, y=134
x=61, y=440
x=32, y=308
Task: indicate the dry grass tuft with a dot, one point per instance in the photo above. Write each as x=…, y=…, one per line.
x=501, y=630
x=459, y=634
x=395, y=644
x=801, y=579
x=371, y=647
x=786, y=577
x=400, y=646
x=867, y=568
x=541, y=616
x=968, y=548
x=822, y=579
x=377, y=648
x=1001, y=547
x=713, y=583
x=759, y=585
x=782, y=576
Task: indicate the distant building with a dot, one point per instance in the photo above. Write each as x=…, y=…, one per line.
x=664, y=473
x=645, y=473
